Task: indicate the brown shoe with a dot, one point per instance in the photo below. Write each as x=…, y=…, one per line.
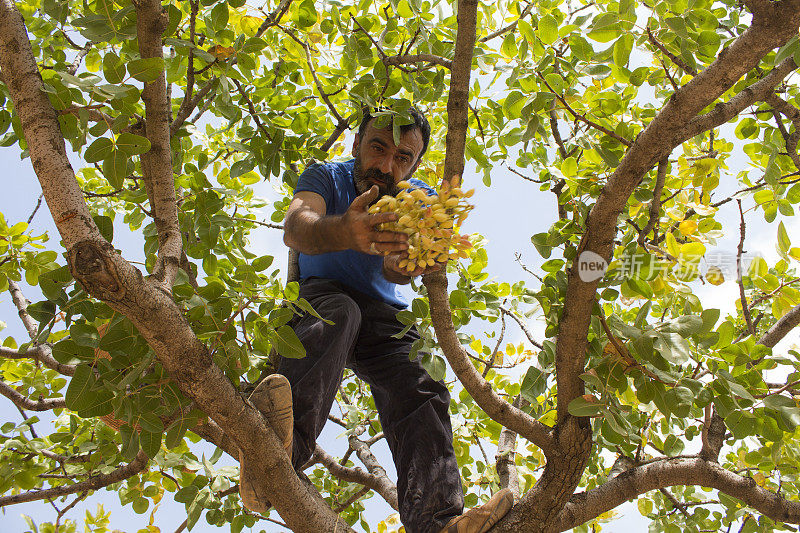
x=273, y=398
x=481, y=519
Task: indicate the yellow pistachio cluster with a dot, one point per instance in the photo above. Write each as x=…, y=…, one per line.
x=431, y=223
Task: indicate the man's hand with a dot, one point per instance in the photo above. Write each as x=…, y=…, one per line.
x=394, y=273
x=360, y=225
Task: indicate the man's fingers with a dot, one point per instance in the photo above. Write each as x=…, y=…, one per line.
x=388, y=236
x=380, y=218
x=362, y=202
x=386, y=247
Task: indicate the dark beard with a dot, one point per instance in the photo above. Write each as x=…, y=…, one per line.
x=363, y=183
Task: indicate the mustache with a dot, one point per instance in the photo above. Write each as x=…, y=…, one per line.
x=377, y=175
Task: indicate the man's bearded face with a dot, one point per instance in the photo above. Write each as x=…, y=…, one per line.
x=366, y=178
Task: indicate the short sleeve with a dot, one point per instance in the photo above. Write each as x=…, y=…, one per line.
x=317, y=178
x=419, y=184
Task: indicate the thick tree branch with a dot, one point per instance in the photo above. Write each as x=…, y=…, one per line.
x=151, y=21
x=41, y=353
x=458, y=96
x=27, y=404
x=504, y=459
x=781, y=328
x=93, y=483
x=723, y=112
x=667, y=473
x=665, y=131
x=40, y=123
x=211, y=432
x=106, y=276
x=496, y=407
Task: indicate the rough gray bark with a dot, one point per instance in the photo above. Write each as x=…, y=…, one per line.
x=108, y=277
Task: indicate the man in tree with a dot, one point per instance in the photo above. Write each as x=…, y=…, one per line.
x=349, y=273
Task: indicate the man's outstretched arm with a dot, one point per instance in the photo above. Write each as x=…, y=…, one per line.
x=309, y=230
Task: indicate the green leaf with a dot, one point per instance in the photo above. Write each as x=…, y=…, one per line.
x=219, y=16
x=784, y=243
x=584, y=406
x=548, y=29
x=622, y=50
x=672, y=347
x=98, y=150
x=147, y=69
x=292, y=291
x=306, y=14
x=106, y=226
x=287, y=344
x=150, y=443
x=533, y=384
x=132, y=144
x=115, y=168
x=79, y=387
x=113, y=68
x=262, y=263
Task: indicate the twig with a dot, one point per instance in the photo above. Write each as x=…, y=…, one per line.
x=582, y=117
x=522, y=326
x=274, y=18
x=672, y=57
x=510, y=27
x=35, y=209
x=73, y=68
x=490, y=363
x=94, y=483
x=739, y=280
x=655, y=204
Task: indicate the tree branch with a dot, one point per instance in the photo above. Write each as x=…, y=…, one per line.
x=723, y=112
x=186, y=110
x=379, y=484
x=42, y=352
x=781, y=328
x=417, y=58
x=504, y=459
x=739, y=279
x=274, y=18
x=663, y=133
x=29, y=405
x=39, y=121
x=458, y=96
x=655, y=203
x=496, y=407
x=667, y=473
x=151, y=21
x=510, y=27
x=93, y=483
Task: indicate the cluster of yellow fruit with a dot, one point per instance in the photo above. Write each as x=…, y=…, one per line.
x=430, y=221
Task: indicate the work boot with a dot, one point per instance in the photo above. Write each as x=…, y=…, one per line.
x=481, y=519
x=273, y=398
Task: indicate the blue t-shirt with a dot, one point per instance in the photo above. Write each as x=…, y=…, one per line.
x=362, y=272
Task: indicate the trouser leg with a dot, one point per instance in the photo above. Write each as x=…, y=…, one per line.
x=413, y=410
x=316, y=377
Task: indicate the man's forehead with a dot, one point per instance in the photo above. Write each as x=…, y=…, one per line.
x=410, y=139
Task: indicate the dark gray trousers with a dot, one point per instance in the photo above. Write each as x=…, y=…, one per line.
x=413, y=408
